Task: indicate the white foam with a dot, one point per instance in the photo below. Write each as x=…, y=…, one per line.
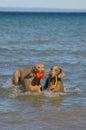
x=73, y=90
x=8, y=84
x=14, y=91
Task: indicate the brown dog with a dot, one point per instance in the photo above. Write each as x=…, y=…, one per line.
x=30, y=78
x=54, y=82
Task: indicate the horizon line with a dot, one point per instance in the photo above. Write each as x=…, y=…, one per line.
x=31, y=9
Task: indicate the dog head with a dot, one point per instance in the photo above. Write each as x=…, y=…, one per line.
x=39, y=70
x=56, y=71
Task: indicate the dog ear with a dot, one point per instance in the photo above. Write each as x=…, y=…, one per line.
x=33, y=69
x=51, y=67
x=61, y=73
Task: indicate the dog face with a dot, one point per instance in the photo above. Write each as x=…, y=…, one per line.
x=56, y=71
x=39, y=68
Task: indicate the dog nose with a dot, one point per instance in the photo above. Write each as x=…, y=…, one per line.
x=42, y=70
x=50, y=73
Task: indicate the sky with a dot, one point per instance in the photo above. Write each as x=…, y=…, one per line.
x=62, y=4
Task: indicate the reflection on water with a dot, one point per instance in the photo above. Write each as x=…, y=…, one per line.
x=57, y=101
x=41, y=111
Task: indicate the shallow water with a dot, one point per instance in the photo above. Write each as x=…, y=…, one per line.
x=26, y=39
x=42, y=111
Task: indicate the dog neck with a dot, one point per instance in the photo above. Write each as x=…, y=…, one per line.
x=54, y=82
x=34, y=80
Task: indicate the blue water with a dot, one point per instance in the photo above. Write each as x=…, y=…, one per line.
x=50, y=38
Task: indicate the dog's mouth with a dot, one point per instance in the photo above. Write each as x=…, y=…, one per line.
x=51, y=75
x=39, y=75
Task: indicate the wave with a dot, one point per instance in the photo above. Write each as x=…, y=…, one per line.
x=4, y=49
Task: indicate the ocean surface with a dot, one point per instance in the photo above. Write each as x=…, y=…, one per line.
x=53, y=39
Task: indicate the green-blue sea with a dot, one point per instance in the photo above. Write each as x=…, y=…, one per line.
x=53, y=39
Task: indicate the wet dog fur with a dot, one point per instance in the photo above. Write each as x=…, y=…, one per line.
x=27, y=78
x=55, y=72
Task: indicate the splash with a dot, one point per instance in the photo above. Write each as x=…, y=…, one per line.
x=7, y=84
x=16, y=92
x=13, y=91
x=53, y=94
x=73, y=90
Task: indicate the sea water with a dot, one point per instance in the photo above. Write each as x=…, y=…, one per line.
x=53, y=39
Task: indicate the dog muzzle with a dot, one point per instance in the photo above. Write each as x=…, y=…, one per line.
x=39, y=75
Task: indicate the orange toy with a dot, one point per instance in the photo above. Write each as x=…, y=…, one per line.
x=40, y=75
